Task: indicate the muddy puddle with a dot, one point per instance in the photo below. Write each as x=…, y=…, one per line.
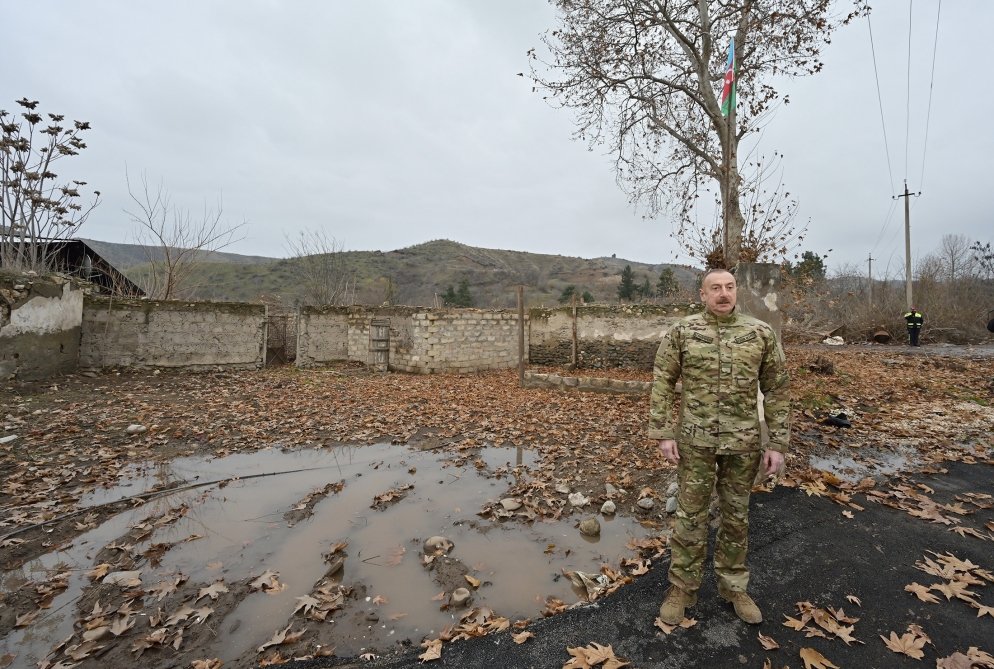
x=285, y=513
x=852, y=465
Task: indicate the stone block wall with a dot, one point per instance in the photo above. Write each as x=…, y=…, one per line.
x=422, y=341
x=40, y=322
x=190, y=335
x=607, y=336
x=468, y=340
x=322, y=335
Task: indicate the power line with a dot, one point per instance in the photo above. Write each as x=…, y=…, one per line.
x=880, y=103
x=907, y=116
x=887, y=220
x=928, y=116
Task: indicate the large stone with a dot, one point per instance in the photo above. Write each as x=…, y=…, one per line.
x=510, y=503
x=437, y=545
x=460, y=597
x=590, y=527
x=578, y=499
x=646, y=503
x=671, y=505
x=608, y=508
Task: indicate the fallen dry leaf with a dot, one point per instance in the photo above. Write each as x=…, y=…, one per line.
x=592, y=655
x=922, y=593
x=854, y=599
x=521, y=637
x=768, y=642
x=909, y=644
x=815, y=660
x=213, y=663
x=433, y=650
x=212, y=591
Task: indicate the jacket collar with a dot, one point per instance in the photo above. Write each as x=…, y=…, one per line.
x=730, y=319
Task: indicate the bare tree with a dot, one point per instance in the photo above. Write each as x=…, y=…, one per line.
x=957, y=258
x=323, y=271
x=769, y=233
x=642, y=76
x=37, y=208
x=175, y=241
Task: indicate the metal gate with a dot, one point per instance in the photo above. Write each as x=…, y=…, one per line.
x=281, y=339
x=379, y=344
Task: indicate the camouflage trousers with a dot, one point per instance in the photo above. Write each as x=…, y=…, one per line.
x=698, y=472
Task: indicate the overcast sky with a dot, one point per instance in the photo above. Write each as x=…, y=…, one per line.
x=390, y=123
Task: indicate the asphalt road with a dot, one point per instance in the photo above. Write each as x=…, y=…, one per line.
x=803, y=549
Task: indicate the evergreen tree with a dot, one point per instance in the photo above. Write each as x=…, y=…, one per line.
x=645, y=289
x=449, y=296
x=811, y=267
x=463, y=297
x=587, y=297
x=626, y=289
x=567, y=294
x=667, y=284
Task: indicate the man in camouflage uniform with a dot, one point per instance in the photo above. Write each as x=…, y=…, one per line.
x=721, y=356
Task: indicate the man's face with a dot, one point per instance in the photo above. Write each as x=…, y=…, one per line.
x=718, y=293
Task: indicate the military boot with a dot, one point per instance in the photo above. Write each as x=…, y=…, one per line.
x=675, y=605
x=745, y=608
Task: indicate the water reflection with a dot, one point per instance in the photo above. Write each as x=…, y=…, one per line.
x=244, y=533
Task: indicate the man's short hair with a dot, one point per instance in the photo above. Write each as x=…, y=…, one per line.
x=715, y=270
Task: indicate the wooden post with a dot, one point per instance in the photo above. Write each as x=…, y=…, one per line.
x=574, y=352
x=521, y=336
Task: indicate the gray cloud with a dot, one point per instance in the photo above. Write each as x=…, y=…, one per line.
x=390, y=123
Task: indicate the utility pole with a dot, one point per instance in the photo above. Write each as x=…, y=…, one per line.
x=907, y=242
x=869, y=282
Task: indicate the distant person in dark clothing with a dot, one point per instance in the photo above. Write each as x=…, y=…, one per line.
x=914, y=319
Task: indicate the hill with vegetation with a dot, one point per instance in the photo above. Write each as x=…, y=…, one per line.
x=417, y=275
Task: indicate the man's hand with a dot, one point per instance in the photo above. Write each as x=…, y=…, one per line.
x=772, y=462
x=668, y=449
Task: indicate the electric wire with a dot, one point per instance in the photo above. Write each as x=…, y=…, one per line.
x=907, y=115
x=880, y=103
x=887, y=220
x=928, y=115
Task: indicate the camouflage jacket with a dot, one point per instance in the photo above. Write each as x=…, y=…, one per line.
x=720, y=359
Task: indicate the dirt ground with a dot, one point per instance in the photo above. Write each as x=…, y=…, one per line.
x=78, y=435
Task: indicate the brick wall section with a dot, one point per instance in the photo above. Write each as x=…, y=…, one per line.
x=608, y=336
x=186, y=335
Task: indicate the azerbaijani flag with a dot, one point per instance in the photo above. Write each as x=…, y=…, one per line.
x=728, y=89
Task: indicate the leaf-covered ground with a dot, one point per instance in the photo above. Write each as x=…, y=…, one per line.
x=72, y=436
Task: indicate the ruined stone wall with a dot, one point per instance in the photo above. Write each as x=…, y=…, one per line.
x=40, y=321
x=322, y=335
x=468, y=340
x=607, y=336
x=189, y=335
x=423, y=341
x=758, y=293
